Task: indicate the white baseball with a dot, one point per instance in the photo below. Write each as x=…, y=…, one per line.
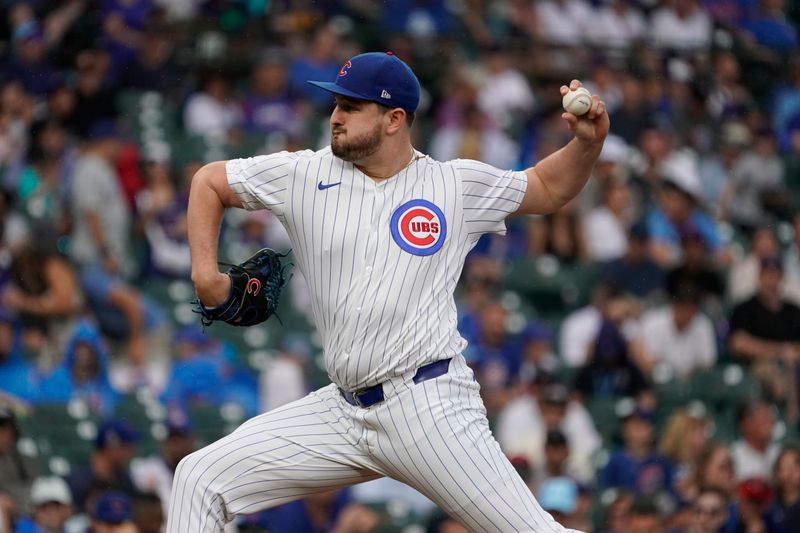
x=577, y=102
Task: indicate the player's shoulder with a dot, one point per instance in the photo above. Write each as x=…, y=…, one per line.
x=473, y=171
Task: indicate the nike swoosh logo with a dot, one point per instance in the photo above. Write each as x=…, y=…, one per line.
x=322, y=186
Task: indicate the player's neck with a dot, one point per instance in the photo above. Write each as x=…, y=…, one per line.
x=387, y=163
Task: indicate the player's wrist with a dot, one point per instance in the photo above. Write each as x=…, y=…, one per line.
x=212, y=288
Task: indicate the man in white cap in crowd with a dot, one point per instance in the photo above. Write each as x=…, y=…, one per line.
x=51, y=507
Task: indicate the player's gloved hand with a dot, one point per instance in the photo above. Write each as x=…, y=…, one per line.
x=256, y=287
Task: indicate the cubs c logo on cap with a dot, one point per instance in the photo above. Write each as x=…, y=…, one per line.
x=343, y=70
x=419, y=227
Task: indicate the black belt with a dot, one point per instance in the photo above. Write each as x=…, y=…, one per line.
x=374, y=395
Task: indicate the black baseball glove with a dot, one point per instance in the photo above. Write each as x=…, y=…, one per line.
x=255, y=289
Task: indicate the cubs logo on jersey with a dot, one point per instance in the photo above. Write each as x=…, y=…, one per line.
x=419, y=227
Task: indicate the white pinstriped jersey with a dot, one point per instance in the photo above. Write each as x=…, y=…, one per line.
x=381, y=259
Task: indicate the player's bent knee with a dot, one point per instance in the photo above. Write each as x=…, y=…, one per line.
x=192, y=474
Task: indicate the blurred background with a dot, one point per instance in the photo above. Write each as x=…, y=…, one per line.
x=638, y=350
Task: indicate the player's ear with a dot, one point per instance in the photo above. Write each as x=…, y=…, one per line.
x=395, y=120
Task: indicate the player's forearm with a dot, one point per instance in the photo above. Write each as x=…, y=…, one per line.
x=564, y=172
x=208, y=198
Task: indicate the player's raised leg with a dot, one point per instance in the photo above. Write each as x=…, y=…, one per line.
x=303, y=447
x=437, y=439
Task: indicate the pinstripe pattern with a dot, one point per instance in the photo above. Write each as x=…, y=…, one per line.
x=382, y=312
x=388, y=311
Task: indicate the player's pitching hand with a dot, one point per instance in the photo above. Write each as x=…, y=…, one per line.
x=593, y=125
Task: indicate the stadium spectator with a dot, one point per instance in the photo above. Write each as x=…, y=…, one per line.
x=495, y=355
x=100, y=242
x=212, y=112
x=611, y=168
x=754, y=452
x=203, y=374
x=709, y=511
x=769, y=27
x=153, y=67
x=551, y=13
x=678, y=335
x=559, y=234
x=785, y=110
x=319, y=61
x=557, y=461
x=683, y=439
x=161, y=206
x=51, y=504
x=29, y=63
x=714, y=469
x=755, y=189
x=637, y=465
x=634, y=116
x=82, y=374
x=538, y=355
x=680, y=26
x=474, y=137
x=148, y=515
x=283, y=378
x=610, y=370
x=606, y=227
x=636, y=273
x=696, y=271
x=617, y=25
x=94, y=101
x=108, y=468
x=154, y=474
x=112, y=512
x=559, y=497
x=269, y=107
x=505, y=96
x=45, y=294
x=123, y=24
x=765, y=329
x=579, y=328
x=44, y=180
x=677, y=209
x=618, y=511
x=717, y=164
x=16, y=118
x=17, y=470
x=728, y=97
x=18, y=377
x=751, y=504
x=743, y=277
x=785, y=508
x=542, y=412
x=332, y=510
x=792, y=257
x=646, y=516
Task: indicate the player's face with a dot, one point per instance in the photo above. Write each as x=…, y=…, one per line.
x=356, y=129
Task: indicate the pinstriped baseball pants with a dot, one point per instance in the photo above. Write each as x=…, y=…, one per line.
x=434, y=436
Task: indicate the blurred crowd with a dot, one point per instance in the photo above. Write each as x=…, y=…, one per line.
x=686, y=240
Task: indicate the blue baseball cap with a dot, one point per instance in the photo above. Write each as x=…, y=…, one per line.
x=378, y=77
x=115, y=433
x=113, y=508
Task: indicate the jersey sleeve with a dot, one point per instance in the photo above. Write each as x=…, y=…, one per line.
x=489, y=195
x=260, y=182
